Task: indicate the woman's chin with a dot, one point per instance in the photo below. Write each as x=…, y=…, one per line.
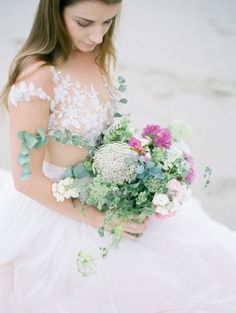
x=85, y=48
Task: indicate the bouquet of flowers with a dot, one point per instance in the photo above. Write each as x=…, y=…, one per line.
x=127, y=176
x=130, y=177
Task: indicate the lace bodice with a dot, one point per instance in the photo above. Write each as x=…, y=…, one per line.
x=73, y=106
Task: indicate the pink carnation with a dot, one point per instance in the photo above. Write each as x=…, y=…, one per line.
x=135, y=143
x=160, y=136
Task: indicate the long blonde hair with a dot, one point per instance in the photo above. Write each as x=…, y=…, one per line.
x=49, y=41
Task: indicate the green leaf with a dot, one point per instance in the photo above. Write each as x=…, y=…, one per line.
x=41, y=133
x=140, y=169
x=31, y=141
x=21, y=135
x=41, y=142
x=80, y=171
x=75, y=140
x=135, y=185
x=121, y=80
x=68, y=172
x=25, y=176
x=25, y=171
x=68, y=133
x=24, y=149
x=65, y=140
x=23, y=159
x=123, y=100
x=57, y=135
x=122, y=88
x=25, y=168
x=117, y=114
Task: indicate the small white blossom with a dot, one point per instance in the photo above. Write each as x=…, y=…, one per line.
x=87, y=261
x=64, y=189
x=160, y=199
x=180, y=131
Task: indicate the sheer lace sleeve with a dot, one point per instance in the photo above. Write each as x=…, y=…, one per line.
x=25, y=91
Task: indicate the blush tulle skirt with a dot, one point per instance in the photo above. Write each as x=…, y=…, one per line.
x=184, y=264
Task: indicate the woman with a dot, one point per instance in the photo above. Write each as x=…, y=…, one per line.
x=60, y=79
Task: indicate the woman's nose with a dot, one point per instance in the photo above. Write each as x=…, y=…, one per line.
x=96, y=36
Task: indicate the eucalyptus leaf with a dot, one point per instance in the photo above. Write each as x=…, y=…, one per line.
x=117, y=114
x=122, y=88
x=140, y=169
x=41, y=142
x=65, y=140
x=76, y=140
x=24, y=149
x=25, y=176
x=123, y=100
x=80, y=171
x=25, y=168
x=68, y=172
x=41, y=133
x=121, y=80
x=23, y=159
x=58, y=135
x=21, y=135
x=31, y=141
x=68, y=133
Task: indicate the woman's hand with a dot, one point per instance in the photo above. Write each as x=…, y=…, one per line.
x=129, y=229
x=133, y=230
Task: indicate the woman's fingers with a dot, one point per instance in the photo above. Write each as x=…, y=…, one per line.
x=130, y=235
x=135, y=227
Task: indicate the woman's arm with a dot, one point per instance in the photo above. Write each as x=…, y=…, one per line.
x=28, y=116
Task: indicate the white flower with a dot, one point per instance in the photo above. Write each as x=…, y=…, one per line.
x=87, y=261
x=166, y=210
x=180, y=131
x=175, y=152
x=64, y=189
x=160, y=199
x=116, y=162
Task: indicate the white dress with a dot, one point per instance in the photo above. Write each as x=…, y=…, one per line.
x=184, y=264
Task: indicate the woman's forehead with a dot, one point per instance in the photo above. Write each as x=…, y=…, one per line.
x=93, y=10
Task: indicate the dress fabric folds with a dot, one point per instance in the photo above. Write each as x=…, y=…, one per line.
x=186, y=263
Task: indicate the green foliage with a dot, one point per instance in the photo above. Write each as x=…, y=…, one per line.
x=30, y=141
x=118, y=131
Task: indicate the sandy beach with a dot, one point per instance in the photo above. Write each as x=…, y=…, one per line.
x=178, y=58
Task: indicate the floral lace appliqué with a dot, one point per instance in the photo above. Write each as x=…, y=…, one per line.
x=78, y=108
x=24, y=92
x=73, y=106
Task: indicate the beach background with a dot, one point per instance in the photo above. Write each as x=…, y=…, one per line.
x=178, y=58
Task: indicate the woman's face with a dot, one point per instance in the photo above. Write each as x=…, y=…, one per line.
x=88, y=21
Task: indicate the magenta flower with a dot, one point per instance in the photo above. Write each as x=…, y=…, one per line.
x=160, y=136
x=191, y=174
x=150, y=131
x=163, y=138
x=135, y=143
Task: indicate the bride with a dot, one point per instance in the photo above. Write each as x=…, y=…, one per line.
x=61, y=79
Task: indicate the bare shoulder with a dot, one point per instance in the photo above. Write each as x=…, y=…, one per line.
x=39, y=74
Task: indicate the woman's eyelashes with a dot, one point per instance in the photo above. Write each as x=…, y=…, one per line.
x=90, y=23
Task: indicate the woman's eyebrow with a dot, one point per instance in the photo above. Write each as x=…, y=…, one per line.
x=90, y=21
